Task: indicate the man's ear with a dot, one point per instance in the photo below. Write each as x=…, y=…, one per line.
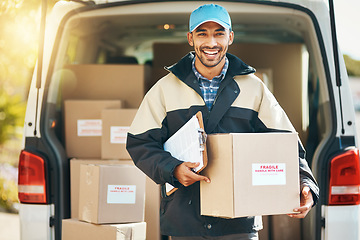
x=231, y=37
x=190, y=39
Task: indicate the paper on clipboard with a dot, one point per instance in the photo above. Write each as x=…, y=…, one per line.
x=188, y=145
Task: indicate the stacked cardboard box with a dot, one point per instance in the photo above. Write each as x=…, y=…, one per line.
x=83, y=126
x=116, y=124
x=111, y=201
x=106, y=81
x=111, y=193
x=78, y=230
x=107, y=190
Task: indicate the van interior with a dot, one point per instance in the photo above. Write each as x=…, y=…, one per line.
x=120, y=52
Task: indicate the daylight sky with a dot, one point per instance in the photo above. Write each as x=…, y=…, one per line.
x=347, y=15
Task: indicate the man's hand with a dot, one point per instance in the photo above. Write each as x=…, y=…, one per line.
x=306, y=202
x=186, y=176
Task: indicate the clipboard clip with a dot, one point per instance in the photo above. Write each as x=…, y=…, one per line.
x=202, y=139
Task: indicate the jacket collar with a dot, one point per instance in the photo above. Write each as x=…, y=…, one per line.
x=182, y=69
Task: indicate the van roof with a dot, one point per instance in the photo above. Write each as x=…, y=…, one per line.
x=305, y=3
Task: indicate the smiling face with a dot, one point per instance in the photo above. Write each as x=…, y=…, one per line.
x=210, y=41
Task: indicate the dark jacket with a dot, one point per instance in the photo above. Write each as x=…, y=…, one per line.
x=243, y=104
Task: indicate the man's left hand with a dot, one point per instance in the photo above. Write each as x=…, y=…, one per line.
x=306, y=202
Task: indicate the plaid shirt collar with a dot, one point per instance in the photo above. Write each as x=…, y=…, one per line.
x=208, y=87
x=218, y=78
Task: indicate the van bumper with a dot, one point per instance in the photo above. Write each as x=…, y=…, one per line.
x=35, y=222
x=341, y=222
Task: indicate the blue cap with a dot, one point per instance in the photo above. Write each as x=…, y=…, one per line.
x=209, y=13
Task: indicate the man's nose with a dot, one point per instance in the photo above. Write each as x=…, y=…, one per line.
x=211, y=41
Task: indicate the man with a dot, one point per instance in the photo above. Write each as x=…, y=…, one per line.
x=231, y=99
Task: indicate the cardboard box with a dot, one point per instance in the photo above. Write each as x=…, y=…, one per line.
x=75, y=179
x=83, y=126
x=251, y=174
x=110, y=81
x=111, y=194
x=152, y=195
x=77, y=230
x=116, y=124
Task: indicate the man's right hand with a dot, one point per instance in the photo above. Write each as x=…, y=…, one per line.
x=186, y=176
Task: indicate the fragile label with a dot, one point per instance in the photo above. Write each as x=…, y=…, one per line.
x=268, y=174
x=118, y=134
x=121, y=194
x=89, y=127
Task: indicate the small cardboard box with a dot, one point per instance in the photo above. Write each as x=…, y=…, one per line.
x=152, y=195
x=111, y=194
x=75, y=179
x=83, y=126
x=251, y=174
x=77, y=230
x=116, y=124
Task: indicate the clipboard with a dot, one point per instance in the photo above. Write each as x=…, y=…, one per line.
x=188, y=144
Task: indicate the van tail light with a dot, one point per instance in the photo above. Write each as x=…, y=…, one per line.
x=345, y=179
x=31, y=181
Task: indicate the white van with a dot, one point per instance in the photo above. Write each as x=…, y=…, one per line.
x=291, y=43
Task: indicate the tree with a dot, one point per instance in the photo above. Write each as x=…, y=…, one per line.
x=19, y=35
x=352, y=66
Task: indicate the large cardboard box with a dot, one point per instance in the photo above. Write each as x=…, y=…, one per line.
x=73, y=229
x=116, y=124
x=106, y=81
x=251, y=174
x=152, y=195
x=83, y=126
x=111, y=194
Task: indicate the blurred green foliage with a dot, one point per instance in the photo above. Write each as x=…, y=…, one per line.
x=8, y=194
x=19, y=35
x=12, y=111
x=8, y=188
x=352, y=66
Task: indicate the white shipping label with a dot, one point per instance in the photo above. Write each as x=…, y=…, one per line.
x=268, y=174
x=89, y=127
x=118, y=134
x=121, y=194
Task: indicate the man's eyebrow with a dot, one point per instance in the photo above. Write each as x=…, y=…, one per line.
x=200, y=30
x=204, y=30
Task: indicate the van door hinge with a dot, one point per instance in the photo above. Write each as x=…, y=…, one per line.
x=323, y=222
x=52, y=221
